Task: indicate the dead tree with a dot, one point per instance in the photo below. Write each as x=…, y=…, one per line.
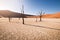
x=36, y=17
x=40, y=16
x=23, y=18
x=9, y=19
x=23, y=14
x=19, y=16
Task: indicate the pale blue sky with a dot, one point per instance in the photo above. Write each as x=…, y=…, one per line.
x=31, y=6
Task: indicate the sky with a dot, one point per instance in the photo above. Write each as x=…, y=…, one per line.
x=31, y=6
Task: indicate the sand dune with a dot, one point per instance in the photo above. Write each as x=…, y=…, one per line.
x=55, y=15
x=7, y=13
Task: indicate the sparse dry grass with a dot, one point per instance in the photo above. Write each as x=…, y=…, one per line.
x=48, y=29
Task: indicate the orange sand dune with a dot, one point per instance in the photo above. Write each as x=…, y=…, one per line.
x=47, y=15
x=7, y=13
x=55, y=15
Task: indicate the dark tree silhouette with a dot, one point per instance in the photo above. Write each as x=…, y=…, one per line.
x=36, y=17
x=19, y=16
x=9, y=19
x=23, y=17
x=41, y=16
x=23, y=14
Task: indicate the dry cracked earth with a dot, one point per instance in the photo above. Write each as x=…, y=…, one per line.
x=47, y=29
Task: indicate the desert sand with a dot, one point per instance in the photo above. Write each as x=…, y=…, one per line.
x=47, y=29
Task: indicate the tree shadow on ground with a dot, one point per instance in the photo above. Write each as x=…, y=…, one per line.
x=42, y=27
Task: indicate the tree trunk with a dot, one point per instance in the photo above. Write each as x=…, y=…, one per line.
x=9, y=19
x=40, y=18
x=23, y=20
